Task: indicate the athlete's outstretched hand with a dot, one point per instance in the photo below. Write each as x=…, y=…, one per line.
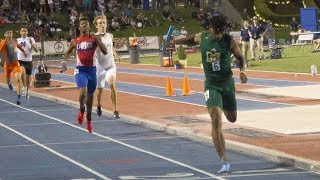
x=243, y=77
x=63, y=66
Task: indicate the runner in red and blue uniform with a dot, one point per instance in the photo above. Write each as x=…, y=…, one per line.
x=85, y=72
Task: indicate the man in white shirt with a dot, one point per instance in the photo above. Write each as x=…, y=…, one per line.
x=106, y=67
x=28, y=44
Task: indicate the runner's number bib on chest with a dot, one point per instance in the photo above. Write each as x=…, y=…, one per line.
x=214, y=58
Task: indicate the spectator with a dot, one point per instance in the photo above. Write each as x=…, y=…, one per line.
x=24, y=17
x=102, y=7
x=269, y=30
x=176, y=16
x=166, y=14
x=316, y=44
x=245, y=40
x=136, y=4
x=43, y=8
x=201, y=15
x=87, y=5
x=256, y=32
x=51, y=5
x=153, y=21
x=183, y=32
x=57, y=5
x=115, y=24
x=245, y=15
x=128, y=11
x=24, y=5
x=64, y=5
x=6, y=7
x=294, y=29
x=33, y=6
x=176, y=33
x=140, y=20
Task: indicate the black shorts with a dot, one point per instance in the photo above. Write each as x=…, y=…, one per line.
x=27, y=66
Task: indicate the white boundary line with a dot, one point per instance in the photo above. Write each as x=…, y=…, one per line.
x=203, y=74
x=81, y=142
x=104, y=137
x=55, y=152
x=151, y=70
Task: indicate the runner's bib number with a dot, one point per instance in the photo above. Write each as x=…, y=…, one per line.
x=215, y=60
x=76, y=71
x=206, y=95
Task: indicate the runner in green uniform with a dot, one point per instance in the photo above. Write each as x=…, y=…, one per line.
x=216, y=49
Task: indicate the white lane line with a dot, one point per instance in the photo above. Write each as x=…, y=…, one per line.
x=56, y=153
x=17, y=146
x=82, y=142
x=271, y=79
x=47, y=110
x=44, y=124
x=262, y=170
x=265, y=174
x=119, y=142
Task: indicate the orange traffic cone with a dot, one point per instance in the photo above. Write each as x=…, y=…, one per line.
x=185, y=86
x=169, y=88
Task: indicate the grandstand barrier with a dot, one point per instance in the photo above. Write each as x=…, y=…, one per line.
x=60, y=47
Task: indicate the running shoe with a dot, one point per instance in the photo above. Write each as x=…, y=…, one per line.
x=18, y=102
x=116, y=115
x=225, y=168
x=10, y=87
x=24, y=91
x=81, y=117
x=99, y=112
x=27, y=95
x=89, y=126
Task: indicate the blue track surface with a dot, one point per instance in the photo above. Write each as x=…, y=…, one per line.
x=41, y=140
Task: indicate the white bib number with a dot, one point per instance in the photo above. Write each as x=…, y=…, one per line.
x=76, y=71
x=216, y=66
x=206, y=95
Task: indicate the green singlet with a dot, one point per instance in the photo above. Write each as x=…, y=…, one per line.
x=219, y=83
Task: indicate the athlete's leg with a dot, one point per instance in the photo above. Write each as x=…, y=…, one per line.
x=101, y=81
x=89, y=103
x=23, y=80
x=19, y=86
x=23, y=76
x=82, y=99
x=216, y=133
x=99, y=95
x=229, y=101
x=252, y=49
x=28, y=72
x=82, y=82
x=91, y=87
x=230, y=115
x=113, y=91
x=7, y=70
x=111, y=78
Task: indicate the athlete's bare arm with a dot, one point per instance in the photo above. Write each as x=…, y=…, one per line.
x=241, y=63
x=33, y=45
x=22, y=50
x=192, y=40
x=100, y=44
x=67, y=56
x=115, y=54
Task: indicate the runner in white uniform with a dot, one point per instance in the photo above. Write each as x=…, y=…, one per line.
x=106, y=67
x=27, y=43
